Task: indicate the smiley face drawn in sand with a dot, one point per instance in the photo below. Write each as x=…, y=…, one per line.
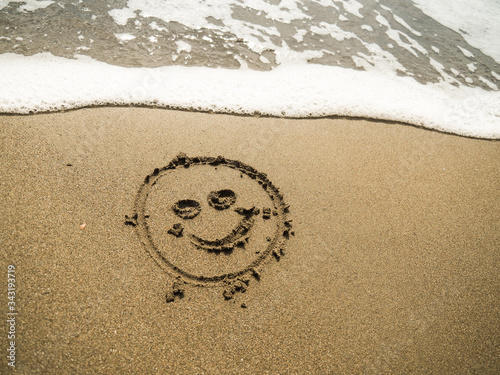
x=210, y=222
x=219, y=200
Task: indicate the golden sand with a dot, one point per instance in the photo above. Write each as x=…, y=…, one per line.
x=393, y=265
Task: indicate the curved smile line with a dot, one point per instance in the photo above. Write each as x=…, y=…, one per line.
x=238, y=236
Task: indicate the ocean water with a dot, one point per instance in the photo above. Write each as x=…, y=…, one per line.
x=428, y=63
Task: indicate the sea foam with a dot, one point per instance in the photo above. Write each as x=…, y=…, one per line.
x=420, y=62
x=477, y=21
x=44, y=82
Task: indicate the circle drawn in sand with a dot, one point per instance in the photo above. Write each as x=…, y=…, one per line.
x=210, y=222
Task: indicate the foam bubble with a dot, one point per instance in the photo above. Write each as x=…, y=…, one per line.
x=125, y=37
x=466, y=53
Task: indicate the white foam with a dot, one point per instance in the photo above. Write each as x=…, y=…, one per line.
x=28, y=6
x=472, y=67
x=352, y=6
x=445, y=77
x=378, y=59
x=403, y=22
x=121, y=16
x=299, y=35
x=264, y=60
x=181, y=11
x=490, y=84
x=411, y=47
x=333, y=30
x=256, y=36
x=395, y=35
x=326, y=3
x=259, y=37
x=466, y=53
x=183, y=46
x=44, y=82
x=477, y=21
x=125, y=37
x=382, y=20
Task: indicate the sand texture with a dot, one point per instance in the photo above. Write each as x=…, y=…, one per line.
x=319, y=246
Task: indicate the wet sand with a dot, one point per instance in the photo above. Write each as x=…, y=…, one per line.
x=393, y=266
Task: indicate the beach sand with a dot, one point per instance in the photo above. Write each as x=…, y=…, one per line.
x=393, y=266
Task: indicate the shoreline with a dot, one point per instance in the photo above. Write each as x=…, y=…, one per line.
x=255, y=115
x=316, y=90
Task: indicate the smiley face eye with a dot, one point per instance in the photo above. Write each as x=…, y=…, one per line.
x=221, y=199
x=186, y=208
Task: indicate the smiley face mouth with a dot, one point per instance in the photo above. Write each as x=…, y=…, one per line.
x=237, y=237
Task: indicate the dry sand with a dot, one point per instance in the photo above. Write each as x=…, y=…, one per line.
x=393, y=268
